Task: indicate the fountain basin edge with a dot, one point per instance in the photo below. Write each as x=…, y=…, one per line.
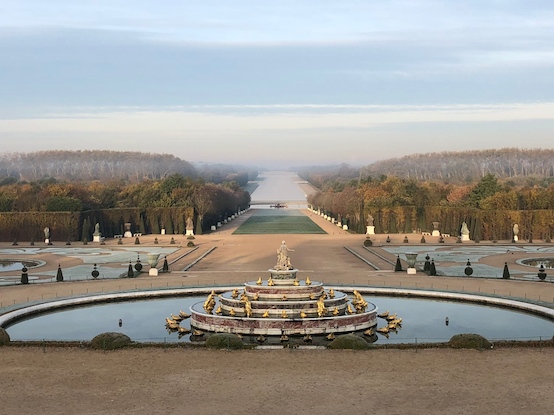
x=10, y=317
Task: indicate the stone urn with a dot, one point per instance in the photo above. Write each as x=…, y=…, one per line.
x=153, y=261
x=411, y=260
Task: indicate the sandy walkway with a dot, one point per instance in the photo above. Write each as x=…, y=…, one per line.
x=157, y=381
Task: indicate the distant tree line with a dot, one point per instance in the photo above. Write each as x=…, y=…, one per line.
x=148, y=203
x=127, y=166
x=490, y=206
x=469, y=166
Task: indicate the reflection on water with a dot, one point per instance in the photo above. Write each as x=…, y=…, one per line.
x=424, y=320
x=278, y=186
x=537, y=262
x=11, y=265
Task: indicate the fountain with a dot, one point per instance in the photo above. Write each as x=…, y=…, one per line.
x=283, y=305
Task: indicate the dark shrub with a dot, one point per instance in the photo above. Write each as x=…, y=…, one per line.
x=349, y=341
x=110, y=341
x=469, y=341
x=224, y=341
x=4, y=337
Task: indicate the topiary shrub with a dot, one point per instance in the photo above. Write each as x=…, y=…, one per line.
x=368, y=242
x=110, y=341
x=224, y=341
x=4, y=337
x=469, y=341
x=190, y=244
x=349, y=341
x=506, y=271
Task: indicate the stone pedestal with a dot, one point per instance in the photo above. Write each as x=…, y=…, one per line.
x=163, y=231
x=370, y=230
x=436, y=233
x=219, y=224
x=411, y=271
x=153, y=261
x=189, y=232
x=515, y=238
x=96, y=238
x=47, y=241
x=213, y=228
x=465, y=238
x=127, y=234
x=344, y=227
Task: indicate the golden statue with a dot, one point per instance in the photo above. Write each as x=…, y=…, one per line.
x=270, y=282
x=232, y=312
x=183, y=330
x=359, y=302
x=303, y=314
x=266, y=314
x=256, y=296
x=243, y=297
x=324, y=295
x=312, y=296
x=330, y=336
x=235, y=293
x=296, y=283
x=248, y=308
x=336, y=311
x=331, y=293
x=259, y=282
x=308, y=282
x=284, y=314
x=209, y=304
x=219, y=310
x=284, y=298
x=349, y=309
x=321, y=310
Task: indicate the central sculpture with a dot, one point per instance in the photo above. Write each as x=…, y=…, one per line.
x=283, y=305
x=283, y=260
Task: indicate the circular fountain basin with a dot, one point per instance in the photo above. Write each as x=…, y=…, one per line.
x=143, y=319
x=548, y=263
x=18, y=264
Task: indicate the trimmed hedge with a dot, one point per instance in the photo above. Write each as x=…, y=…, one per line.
x=349, y=341
x=224, y=341
x=4, y=337
x=110, y=341
x=469, y=341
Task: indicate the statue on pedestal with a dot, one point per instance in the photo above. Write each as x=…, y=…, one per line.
x=96, y=236
x=283, y=260
x=516, y=231
x=189, y=226
x=464, y=232
x=370, y=228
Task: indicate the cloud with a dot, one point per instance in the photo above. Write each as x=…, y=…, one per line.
x=288, y=134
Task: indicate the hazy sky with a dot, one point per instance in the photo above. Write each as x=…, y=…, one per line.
x=276, y=82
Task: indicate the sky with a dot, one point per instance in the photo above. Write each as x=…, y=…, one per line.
x=276, y=83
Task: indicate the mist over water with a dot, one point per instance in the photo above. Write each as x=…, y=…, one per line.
x=278, y=186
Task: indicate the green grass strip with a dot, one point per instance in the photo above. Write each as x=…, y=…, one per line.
x=259, y=225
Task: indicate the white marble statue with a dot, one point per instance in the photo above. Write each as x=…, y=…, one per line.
x=283, y=260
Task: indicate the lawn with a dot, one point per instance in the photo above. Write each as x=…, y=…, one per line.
x=276, y=224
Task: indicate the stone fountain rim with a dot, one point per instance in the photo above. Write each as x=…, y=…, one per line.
x=12, y=316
